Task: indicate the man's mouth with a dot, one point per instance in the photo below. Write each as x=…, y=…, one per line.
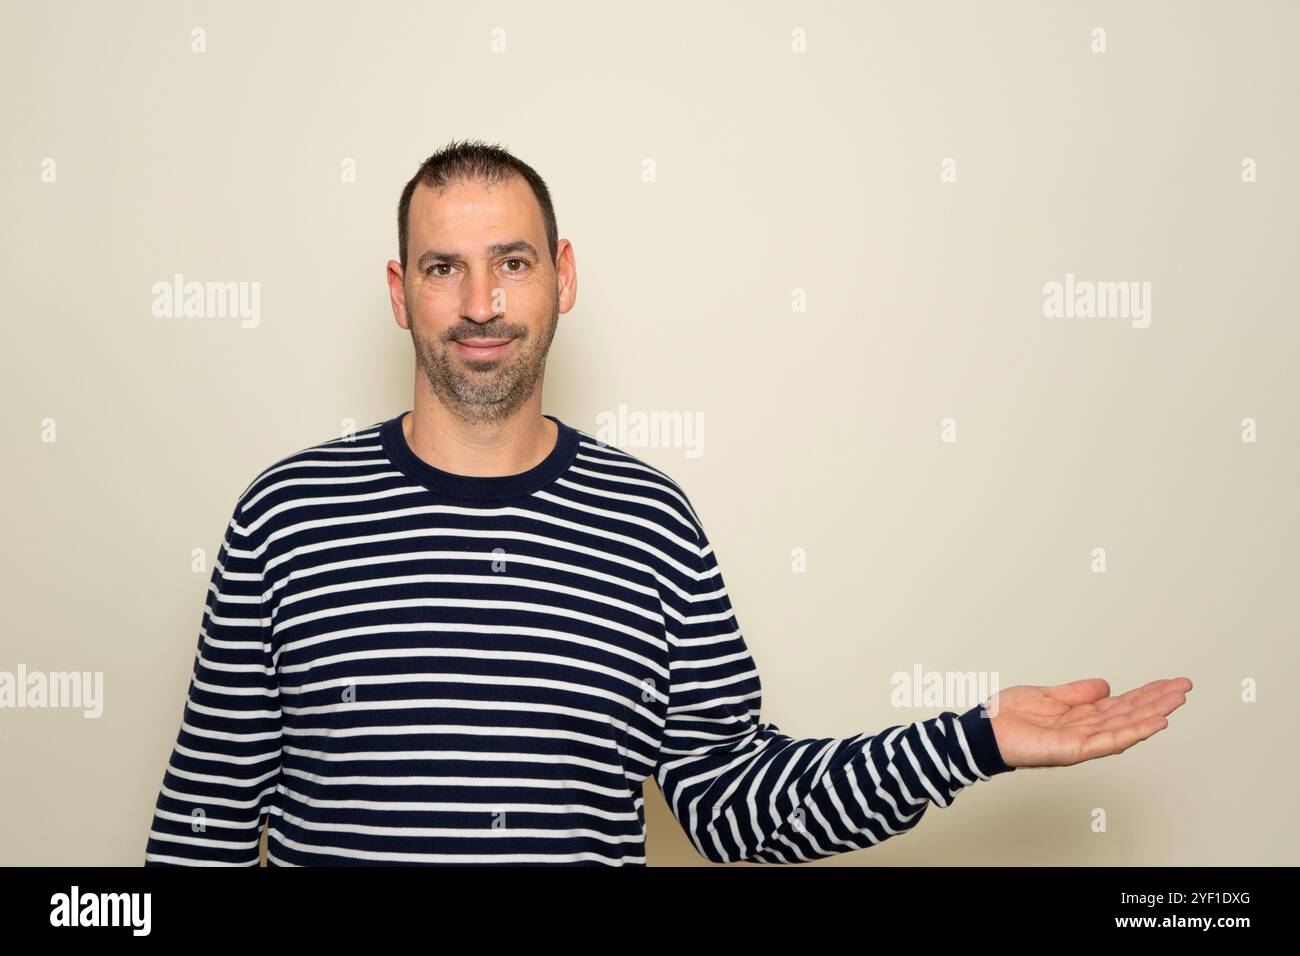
x=482, y=348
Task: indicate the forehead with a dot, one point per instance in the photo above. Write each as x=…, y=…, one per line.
x=473, y=210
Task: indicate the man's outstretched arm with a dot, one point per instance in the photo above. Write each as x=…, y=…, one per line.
x=744, y=791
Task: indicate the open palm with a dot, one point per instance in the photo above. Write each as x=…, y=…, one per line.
x=1069, y=723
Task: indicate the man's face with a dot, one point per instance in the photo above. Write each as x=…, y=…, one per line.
x=480, y=294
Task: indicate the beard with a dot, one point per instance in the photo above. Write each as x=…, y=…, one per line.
x=485, y=390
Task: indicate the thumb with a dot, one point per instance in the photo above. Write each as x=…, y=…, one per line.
x=1087, y=691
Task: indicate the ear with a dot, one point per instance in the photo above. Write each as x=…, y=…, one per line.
x=397, y=293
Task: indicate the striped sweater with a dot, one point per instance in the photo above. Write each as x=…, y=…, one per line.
x=401, y=665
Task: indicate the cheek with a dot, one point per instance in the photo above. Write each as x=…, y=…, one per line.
x=433, y=309
x=428, y=296
x=527, y=298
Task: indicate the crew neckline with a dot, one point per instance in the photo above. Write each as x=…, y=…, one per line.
x=476, y=487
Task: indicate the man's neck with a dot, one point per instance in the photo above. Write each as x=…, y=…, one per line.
x=479, y=449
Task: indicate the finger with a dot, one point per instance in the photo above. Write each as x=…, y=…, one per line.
x=1162, y=706
x=1170, y=684
x=1104, y=712
x=1077, y=692
x=1109, y=742
x=1148, y=691
x=1147, y=688
x=1127, y=703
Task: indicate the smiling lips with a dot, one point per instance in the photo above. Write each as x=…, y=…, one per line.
x=482, y=348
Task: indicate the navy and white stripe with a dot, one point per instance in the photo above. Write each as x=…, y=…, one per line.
x=398, y=665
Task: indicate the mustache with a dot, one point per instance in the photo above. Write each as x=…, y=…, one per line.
x=492, y=330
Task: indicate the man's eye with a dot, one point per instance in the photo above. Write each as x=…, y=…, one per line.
x=522, y=262
x=439, y=265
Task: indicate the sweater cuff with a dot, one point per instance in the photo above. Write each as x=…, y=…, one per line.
x=978, y=728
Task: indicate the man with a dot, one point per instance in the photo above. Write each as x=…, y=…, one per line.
x=468, y=633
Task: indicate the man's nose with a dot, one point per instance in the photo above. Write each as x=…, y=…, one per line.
x=483, y=299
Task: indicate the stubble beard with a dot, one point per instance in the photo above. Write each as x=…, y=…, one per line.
x=485, y=391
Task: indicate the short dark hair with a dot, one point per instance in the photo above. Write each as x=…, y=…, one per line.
x=474, y=161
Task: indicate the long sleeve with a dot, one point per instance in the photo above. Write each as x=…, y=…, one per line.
x=744, y=791
x=224, y=769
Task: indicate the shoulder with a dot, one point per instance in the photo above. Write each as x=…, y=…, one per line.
x=627, y=482
x=310, y=465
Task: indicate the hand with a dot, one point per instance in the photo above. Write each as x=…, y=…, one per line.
x=1066, y=724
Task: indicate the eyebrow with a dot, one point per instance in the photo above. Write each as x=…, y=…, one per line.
x=494, y=251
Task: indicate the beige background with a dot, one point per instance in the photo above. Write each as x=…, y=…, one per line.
x=776, y=171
